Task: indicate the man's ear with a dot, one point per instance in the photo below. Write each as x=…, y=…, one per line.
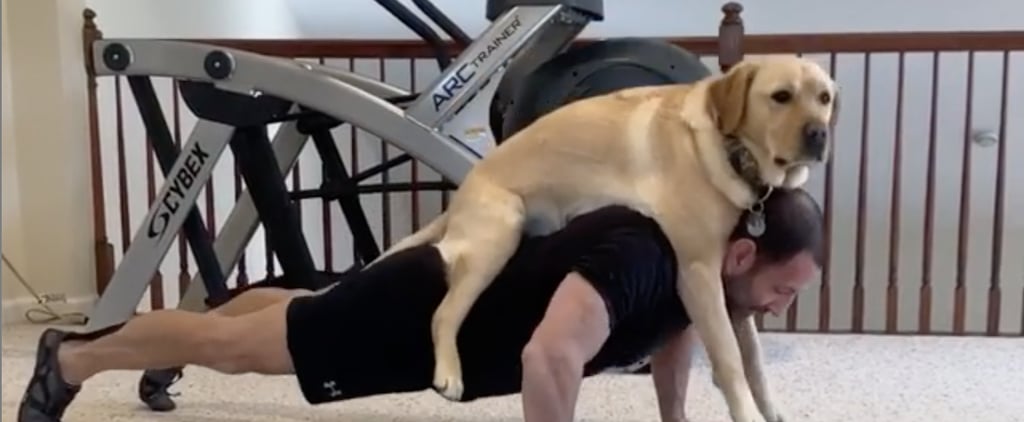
x=728, y=95
x=740, y=257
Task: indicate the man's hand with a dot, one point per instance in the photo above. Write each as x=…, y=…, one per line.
x=670, y=370
x=574, y=327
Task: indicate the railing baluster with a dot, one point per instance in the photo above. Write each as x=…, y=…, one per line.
x=156, y=284
x=414, y=170
x=862, y=203
x=184, y=276
x=385, y=176
x=925, y=307
x=297, y=185
x=354, y=141
x=794, y=307
x=211, y=209
x=825, y=295
x=122, y=170
x=269, y=253
x=963, y=237
x=892, y=297
x=325, y=209
x=995, y=275
x=242, y=279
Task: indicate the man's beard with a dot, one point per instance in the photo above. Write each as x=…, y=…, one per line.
x=739, y=308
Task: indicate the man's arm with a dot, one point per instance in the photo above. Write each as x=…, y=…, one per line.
x=574, y=327
x=670, y=370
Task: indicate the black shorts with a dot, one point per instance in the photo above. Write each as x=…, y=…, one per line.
x=369, y=334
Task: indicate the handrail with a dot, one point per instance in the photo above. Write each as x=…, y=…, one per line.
x=752, y=44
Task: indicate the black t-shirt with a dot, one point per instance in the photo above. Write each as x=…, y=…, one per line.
x=622, y=253
x=371, y=334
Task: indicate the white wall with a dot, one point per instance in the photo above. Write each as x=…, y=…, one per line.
x=196, y=18
x=46, y=209
x=13, y=246
x=330, y=18
x=363, y=19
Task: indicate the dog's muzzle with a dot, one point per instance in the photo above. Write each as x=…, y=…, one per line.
x=815, y=143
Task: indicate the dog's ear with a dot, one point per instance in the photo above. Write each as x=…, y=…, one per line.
x=834, y=118
x=728, y=96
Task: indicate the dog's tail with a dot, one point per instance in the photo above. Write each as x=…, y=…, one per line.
x=427, y=234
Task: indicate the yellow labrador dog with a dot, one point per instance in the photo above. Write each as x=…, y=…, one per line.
x=692, y=157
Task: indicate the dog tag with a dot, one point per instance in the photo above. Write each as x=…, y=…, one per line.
x=755, y=224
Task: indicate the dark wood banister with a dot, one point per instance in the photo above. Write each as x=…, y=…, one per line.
x=752, y=44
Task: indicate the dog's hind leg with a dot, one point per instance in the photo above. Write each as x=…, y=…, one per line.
x=750, y=348
x=475, y=247
x=430, y=233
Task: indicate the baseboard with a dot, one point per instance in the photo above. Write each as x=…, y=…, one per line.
x=14, y=309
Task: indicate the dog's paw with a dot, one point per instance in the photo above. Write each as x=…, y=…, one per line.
x=449, y=387
x=796, y=177
x=774, y=417
x=771, y=412
x=750, y=417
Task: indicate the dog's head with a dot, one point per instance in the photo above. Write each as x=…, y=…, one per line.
x=784, y=110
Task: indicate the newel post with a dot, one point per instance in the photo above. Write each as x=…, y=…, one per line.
x=102, y=248
x=730, y=36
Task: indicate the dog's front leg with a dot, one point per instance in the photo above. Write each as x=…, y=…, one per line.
x=750, y=348
x=701, y=291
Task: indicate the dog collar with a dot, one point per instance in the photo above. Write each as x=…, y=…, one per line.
x=745, y=165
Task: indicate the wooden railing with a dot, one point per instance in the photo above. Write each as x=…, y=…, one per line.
x=889, y=244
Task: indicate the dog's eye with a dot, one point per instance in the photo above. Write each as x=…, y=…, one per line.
x=782, y=96
x=825, y=98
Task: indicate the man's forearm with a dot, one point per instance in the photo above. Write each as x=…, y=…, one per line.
x=574, y=327
x=670, y=370
x=671, y=390
x=550, y=386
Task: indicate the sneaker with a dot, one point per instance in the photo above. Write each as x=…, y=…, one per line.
x=153, y=388
x=47, y=394
x=646, y=369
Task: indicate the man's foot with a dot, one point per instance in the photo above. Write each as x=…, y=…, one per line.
x=47, y=394
x=153, y=388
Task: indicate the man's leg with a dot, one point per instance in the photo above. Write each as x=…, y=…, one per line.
x=256, y=299
x=253, y=342
x=155, y=382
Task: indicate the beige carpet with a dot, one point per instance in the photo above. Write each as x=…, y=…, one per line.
x=817, y=378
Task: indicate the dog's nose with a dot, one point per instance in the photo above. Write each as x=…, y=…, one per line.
x=815, y=140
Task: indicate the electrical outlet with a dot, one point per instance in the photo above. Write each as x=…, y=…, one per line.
x=55, y=298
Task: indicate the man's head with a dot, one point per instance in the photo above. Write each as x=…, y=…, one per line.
x=764, y=273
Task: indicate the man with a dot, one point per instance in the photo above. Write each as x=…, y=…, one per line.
x=597, y=295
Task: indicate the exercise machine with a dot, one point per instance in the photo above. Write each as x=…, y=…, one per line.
x=235, y=93
x=478, y=100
